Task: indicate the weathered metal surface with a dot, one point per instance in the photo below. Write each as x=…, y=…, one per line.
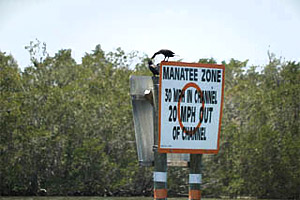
x=142, y=116
x=141, y=91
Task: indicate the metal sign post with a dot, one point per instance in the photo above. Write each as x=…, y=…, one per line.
x=195, y=177
x=190, y=113
x=177, y=117
x=160, y=159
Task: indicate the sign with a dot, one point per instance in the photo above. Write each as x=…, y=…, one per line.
x=190, y=107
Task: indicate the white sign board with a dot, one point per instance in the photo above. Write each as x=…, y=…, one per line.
x=190, y=107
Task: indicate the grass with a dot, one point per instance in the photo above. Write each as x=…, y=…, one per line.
x=85, y=198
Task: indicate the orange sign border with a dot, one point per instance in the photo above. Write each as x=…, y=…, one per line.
x=191, y=151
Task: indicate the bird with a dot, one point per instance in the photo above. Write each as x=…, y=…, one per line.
x=167, y=53
x=153, y=68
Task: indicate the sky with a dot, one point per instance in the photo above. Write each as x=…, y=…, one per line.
x=193, y=29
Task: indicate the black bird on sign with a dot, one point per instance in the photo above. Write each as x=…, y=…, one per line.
x=154, y=69
x=167, y=53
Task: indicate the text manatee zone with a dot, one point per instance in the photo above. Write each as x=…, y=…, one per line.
x=190, y=100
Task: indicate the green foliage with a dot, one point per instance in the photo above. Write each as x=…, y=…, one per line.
x=259, y=154
x=68, y=128
x=207, y=61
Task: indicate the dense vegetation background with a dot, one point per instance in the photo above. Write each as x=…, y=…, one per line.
x=68, y=128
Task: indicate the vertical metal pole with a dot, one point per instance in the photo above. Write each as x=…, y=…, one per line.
x=160, y=159
x=195, y=177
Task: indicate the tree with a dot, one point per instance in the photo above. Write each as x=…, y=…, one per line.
x=67, y=128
